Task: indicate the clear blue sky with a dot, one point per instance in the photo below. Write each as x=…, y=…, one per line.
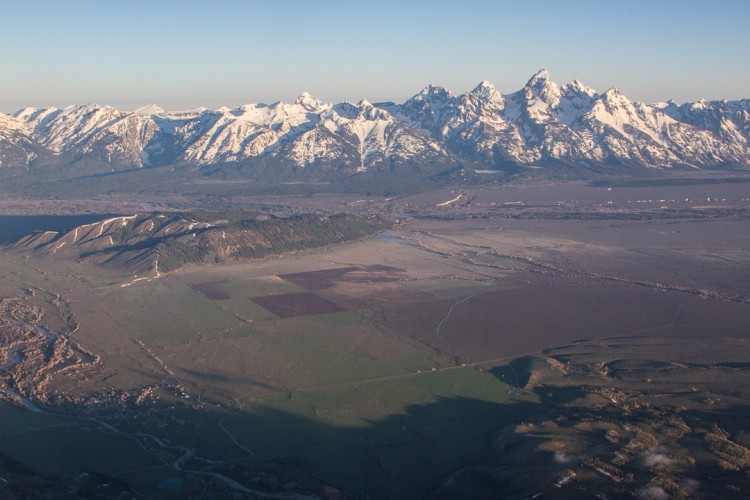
x=184, y=53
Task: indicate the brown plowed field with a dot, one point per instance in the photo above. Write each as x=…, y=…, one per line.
x=292, y=305
x=209, y=290
x=320, y=280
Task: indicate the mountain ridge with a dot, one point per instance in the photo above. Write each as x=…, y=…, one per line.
x=435, y=131
x=149, y=244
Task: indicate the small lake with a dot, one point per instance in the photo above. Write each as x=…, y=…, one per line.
x=170, y=484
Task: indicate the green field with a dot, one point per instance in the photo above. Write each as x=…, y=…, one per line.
x=447, y=353
x=393, y=435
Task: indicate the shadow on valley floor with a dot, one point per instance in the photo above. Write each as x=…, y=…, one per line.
x=400, y=455
x=310, y=449
x=292, y=446
x=468, y=448
x=516, y=373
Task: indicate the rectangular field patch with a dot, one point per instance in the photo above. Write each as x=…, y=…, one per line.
x=327, y=278
x=209, y=290
x=292, y=305
x=317, y=280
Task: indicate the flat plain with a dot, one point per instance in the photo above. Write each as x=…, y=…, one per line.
x=450, y=356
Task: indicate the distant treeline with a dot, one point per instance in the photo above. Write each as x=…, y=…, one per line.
x=16, y=225
x=667, y=181
x=236, y=238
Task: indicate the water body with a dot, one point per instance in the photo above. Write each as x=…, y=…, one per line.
x=170, y=484
x=12, y=226
x=389, y=237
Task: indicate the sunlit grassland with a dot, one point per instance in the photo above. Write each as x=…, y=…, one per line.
x=347, y=431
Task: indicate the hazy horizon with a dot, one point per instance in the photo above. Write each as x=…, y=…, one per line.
x=182, y=55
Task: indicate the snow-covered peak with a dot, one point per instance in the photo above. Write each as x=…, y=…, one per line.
x=308, y=101
x=434, y=91
x=541, y=92
x=430, y=99
x=24, y=114
x=613, y=97
x=538, y=78
x=612, y=92
x=34, y=116
x=345, y=109
x=60, y=129
x=701, y=104
x=634, y=121
x=487, y=92
x=149, y=109
x=484, y=88
x=542, y=120
x=669, y=107
x=539, y=101
x=427, y=110
x=10, y=122
x=362, y=110
x=92, y=106
x=578, y=87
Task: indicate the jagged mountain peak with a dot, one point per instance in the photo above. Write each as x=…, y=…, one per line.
x=362, y=109
x=485, y=84
x=435, y=91
x=306, y=100
x=541, y=90
x=149, y=109
x=346, y=109
x=539, y=77
x=580, y=88
x=430, y=99
x=665, y=104
x=91, y=106
x=703, y=104
x=612, y=92
x=613, y=96
x=486, y=92
x=542, y=121
x=485, y=87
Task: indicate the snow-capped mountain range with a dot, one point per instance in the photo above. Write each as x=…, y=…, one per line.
x=543, y=124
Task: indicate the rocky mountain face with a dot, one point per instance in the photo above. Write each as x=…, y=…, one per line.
x=546, y=123
x=18, y=148
x=542, y=125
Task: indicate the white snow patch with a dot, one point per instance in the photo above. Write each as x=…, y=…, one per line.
x=654, y=458
x=54, y=250
x=562, y=457
x=653, y=493
x=124, y=220
x=450, y=201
